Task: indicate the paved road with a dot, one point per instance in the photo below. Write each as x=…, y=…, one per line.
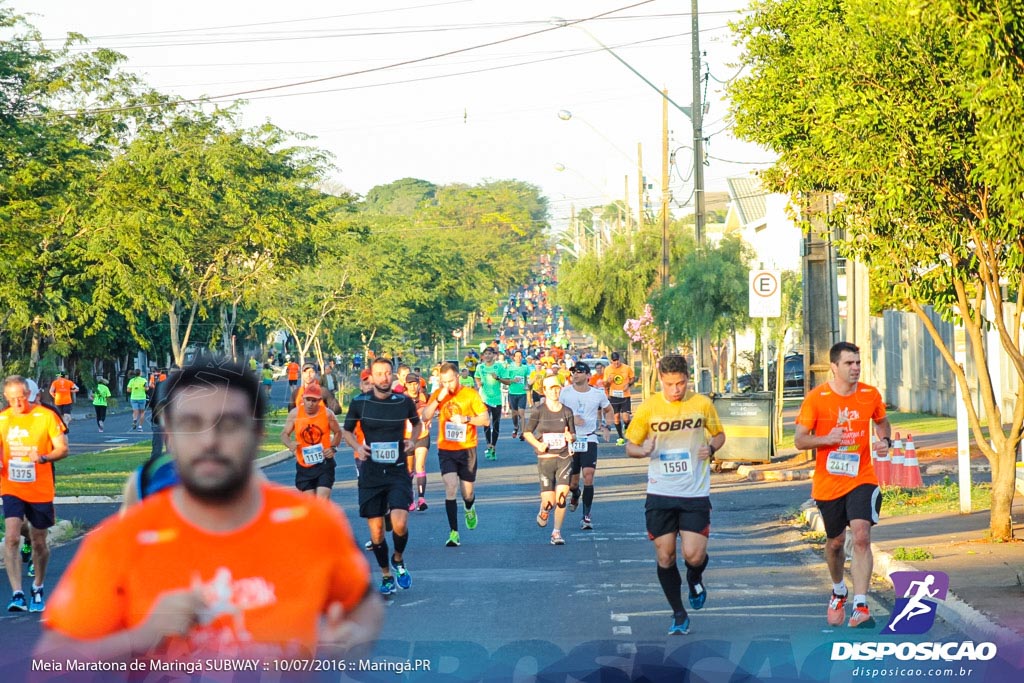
x=508, y=605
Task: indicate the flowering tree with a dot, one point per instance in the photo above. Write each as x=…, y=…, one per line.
x=642, y=331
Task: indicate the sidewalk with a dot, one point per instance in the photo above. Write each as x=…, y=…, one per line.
x=986, y=580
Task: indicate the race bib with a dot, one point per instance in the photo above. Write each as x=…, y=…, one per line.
x=517, y=380
x=454, y=432
x=22, y=471
x=617, y=393
x=313, y=455
x=554, y=441
x=579, y=446
x=385, y=452
x=843, y=464
x=675, y=464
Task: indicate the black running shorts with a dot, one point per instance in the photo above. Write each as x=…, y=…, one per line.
x=670, y=515
x=317, y=476
x=462, y=462
x=587, y=459
x=863, y=502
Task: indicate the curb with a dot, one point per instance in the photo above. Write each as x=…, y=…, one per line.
x=952, y=610
x=750, y=473
x=265, y=461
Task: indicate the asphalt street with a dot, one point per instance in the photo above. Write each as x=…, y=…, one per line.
x=507, y=603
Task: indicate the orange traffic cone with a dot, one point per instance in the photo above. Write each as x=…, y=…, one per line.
x=911, y=470
x=883, y=469
x=897, y=462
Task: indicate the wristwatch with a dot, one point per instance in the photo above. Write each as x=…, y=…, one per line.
x=43, y=459
x=888, y=441
x=713, y=451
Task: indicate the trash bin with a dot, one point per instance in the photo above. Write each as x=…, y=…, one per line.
x=748, y=420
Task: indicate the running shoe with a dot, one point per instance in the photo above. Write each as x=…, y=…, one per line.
x=36, y=604
x=412, y=506
x=26, y=553
x=620, y=441
x=836, y=610
x=423, y=505
x=368, y=545
x=585, y=524
x=32, y=569
x=100, y=430
x=556, y=538
x=574, y=503
x=453, y=540
x=471, y=518
x=542, y=518
x=402, y=575
x=698, y=595
x=387, y=585
x=522, y=438
x=17, y=603
x=861, y=618
x=680, y=624
x=515, y=433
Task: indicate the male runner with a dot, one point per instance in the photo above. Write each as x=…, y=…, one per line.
x=383, y=475
x=312, y=432
x=515, y=378
x=835, y=421
x=488, y=382
x=63, y=392
x=32, y=438
x=418, y=465
x=211, y=588
x=137, y=397
x=461, y=412
x=679, y=431
x=618, y=380
x=587, y=405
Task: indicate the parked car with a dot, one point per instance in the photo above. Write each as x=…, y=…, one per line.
x=792, y=378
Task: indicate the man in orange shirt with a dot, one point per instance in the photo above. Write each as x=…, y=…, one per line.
x=618, y=381
x=31, y=439
x=63, y=392
x=835, y=421
x=187, y=574
x=313, y=433
x=461, y=411
x=293, y=375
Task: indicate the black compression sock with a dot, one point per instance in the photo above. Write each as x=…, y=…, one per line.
x=672, y=584
x=451, y=507
x=588, y=498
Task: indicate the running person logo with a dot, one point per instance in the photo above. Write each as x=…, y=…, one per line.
x=312, y=434
x=914, y=612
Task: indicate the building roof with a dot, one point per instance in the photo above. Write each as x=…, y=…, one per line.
x=748, y=196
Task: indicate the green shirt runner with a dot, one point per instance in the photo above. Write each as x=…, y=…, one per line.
x=518, y=374
x=100, y=395
x=490, y=387
x=137, y=387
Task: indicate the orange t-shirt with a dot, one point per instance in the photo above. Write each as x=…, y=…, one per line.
x=617, y=379
x=22, y=434
x=293, y=372
x=597, y=380
x=311, y=430
x=466, y=402
x=822, y=411
x=61, y=388
x=261, y=603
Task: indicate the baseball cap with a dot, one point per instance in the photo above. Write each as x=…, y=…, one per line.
x=364, y=375
x=412, y=378
x=615, y=355
x=313, y=390
x=552, y=381
x=310, y=365
x=581, y=367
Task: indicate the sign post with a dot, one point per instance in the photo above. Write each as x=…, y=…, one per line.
x=765, y=302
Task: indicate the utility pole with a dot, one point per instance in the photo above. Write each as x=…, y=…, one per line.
x=665, y=195
x=639, y=186
x=821, y=307
x=625, y=207
x=697, y=117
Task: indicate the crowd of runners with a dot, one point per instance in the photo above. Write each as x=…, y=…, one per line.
x=560, y=403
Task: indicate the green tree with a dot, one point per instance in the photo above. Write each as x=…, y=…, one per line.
x=708, y=295
x=399, y=198
x=909, y=111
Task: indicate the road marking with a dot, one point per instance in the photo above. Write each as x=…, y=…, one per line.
x=620, y=617
x=622, y=631
x=626, y=649
x=113, y=441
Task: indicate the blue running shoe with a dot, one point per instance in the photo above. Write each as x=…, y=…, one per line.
x=17, y=603
x=32, y=569
x=36, y=604
x=387, y=585
x=402, y=575
x=698, y=594
x=680, y=624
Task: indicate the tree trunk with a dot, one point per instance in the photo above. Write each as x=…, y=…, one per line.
x=33, y=357
x=227, y=325
x=1000, y=525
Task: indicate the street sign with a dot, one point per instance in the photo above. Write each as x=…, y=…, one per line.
x=765, y=294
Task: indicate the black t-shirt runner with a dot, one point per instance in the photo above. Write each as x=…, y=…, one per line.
x=383, y=423
x=543, y=421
